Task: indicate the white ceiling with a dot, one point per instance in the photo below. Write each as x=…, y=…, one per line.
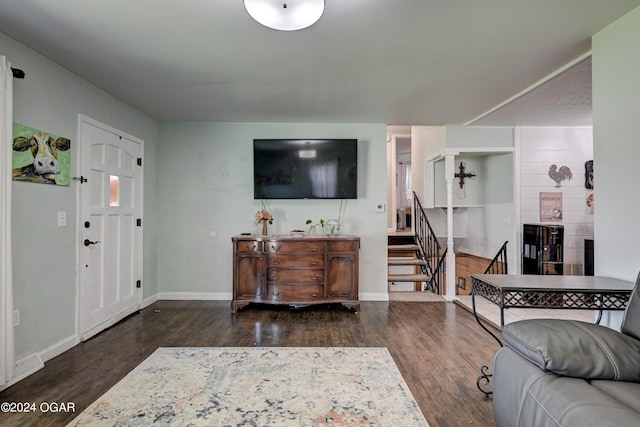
x=410, y=62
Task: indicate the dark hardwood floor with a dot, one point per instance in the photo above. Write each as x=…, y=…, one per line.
x=438, y=348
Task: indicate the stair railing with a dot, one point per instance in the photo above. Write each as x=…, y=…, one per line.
x=429, y=247
x=499, y=263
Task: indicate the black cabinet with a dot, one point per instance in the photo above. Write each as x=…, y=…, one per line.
x=542, y=249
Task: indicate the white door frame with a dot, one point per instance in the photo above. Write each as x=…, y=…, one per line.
x=7, y=343
x=393, y=200
x=82, y=121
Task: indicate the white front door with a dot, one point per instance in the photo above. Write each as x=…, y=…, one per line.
x=110, y=228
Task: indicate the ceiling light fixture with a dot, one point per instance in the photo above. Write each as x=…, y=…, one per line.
x=285, y=15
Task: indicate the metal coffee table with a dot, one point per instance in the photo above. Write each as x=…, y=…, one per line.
x=548, y=292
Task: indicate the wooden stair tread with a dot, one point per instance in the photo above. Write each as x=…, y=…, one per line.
x=408, y=277
x=403, y=248
x=407, y=261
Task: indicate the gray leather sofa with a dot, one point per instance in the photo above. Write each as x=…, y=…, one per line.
x=567, y=373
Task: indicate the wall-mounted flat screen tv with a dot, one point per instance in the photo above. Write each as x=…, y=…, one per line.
x=305, y=168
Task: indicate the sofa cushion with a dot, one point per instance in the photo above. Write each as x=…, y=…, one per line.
x=575, y=349
x=631, y=320
x=625, y=392
x=526, y=396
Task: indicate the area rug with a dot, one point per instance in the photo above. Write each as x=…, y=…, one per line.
x=267, y=386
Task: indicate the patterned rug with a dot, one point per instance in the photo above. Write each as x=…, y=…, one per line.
x=267, y=386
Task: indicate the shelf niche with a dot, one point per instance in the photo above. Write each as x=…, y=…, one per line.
x=492, y=185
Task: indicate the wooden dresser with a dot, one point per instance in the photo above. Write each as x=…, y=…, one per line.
x=296, y=271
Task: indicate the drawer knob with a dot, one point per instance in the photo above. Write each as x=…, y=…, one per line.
x=341, y=248
x=316, y=277
x=314, y=294
x=276, y=293
x=315, y=262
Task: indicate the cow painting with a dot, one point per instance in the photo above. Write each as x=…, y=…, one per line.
x=36, y=157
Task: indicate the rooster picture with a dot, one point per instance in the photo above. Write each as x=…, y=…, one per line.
x=559, y=175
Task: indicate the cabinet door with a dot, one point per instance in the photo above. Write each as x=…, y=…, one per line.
x=530, y=249
x=250, y=276
x=341, y=276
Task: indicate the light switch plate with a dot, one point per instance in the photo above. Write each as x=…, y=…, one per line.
x=62, y=219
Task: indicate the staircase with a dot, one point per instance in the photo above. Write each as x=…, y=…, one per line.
x=420, y=249
x=403, y=251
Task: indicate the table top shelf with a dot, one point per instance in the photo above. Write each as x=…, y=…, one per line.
x=586, y=284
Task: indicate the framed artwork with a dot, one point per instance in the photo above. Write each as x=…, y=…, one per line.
x=40, y=156
x=550, y=207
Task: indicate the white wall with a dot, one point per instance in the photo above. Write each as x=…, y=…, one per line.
x=540, y=147
x=616, y=140
x=479, y=136
x=425, y=142
x=44, y=255
x=206, y=187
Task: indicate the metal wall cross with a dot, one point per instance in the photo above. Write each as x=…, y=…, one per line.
x=462, y=174
x=461, y=193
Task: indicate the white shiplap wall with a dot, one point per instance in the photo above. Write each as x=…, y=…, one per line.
x=540, y=147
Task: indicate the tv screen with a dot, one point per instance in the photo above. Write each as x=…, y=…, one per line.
x=305, y=168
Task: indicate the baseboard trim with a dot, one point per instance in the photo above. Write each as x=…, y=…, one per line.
x=25, y=367
x=148, y=301
x=58, y=348
x=373, y=297
x=195, y=296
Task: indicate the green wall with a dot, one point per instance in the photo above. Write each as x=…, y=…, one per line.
x=44, y=255
x=206, y=196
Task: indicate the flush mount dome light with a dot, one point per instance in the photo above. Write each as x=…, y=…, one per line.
x=285, y=15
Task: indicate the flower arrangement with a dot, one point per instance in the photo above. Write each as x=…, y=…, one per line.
x=264, y=215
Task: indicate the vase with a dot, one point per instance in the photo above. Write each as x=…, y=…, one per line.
x=264, y=228
x=332, y=227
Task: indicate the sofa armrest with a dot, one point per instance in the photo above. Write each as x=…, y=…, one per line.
x=575, y=349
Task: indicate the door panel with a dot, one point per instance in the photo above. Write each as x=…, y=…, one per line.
x=110, y=239
x=340, y=275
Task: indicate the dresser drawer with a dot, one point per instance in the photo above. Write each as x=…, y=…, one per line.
x=307, y=275
x=297, y=247
x=249, y=246
x=341, y=246
x=293, y=293
x=295, y=261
